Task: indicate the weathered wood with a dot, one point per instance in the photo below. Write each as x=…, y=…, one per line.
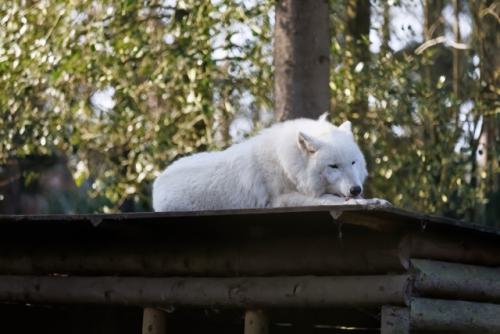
x=455, y=248
x=395, y=320
x=154, y=321
x=256, y=322
x=323, y=255
x=456, y=281
x=454, y=316
x=247, y=292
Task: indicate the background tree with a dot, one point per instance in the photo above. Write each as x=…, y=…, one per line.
x=301, y=59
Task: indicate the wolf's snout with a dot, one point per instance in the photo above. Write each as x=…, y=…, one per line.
x=355, y=191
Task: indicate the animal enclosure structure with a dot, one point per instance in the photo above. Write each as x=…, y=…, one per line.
x=254, y=271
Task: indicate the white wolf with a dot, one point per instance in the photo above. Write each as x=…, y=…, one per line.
x=294, y=163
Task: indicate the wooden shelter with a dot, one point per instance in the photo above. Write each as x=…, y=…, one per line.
x=287, y=270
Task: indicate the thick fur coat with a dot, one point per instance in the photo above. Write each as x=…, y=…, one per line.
x=295, y=163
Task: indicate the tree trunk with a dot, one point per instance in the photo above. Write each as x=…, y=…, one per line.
x=433, y=19
x=490, y=73
x=357, y=35
x=456, y=52
x=485, y=163
x=433, y=27
x=301, y=59
x=386, y=29
x=358, y=29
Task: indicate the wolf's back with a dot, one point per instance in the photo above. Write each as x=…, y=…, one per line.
x=228, y=179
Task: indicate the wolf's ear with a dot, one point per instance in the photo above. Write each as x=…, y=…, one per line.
x=323, y=117
x=307, y=143
x=346, y=127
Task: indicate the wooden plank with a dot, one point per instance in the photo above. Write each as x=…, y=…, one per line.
x=454, y=316
x=154, y=321
x=447, y=280
x=149, y=216
x=256, y=322
x=395, y=320
x=246, y=292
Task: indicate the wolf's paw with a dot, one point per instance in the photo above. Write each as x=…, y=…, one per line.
x=378, y=202
x=357, y=201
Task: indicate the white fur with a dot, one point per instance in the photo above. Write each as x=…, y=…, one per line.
x=288, y=164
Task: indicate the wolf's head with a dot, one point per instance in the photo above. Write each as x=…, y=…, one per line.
x=332, y=161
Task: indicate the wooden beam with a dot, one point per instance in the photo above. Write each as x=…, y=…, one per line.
x=321, y=255
x=455, y=248
x=445, y=280
x=395, y=320
x=154, y=321
x=256, y=322
x=454, y=316
x=245, y=292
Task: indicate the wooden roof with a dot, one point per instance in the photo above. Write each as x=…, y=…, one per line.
x=388, y=219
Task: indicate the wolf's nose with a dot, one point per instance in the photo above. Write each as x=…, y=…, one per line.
x=355, y=191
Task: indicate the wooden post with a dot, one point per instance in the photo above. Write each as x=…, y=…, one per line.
x=395, y=320
x=154, y=321
x=256, y=322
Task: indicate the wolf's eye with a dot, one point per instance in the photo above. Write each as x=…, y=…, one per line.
x=353, y=162
x=335, y=166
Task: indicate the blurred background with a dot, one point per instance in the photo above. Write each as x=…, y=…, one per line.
x=97, y=97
